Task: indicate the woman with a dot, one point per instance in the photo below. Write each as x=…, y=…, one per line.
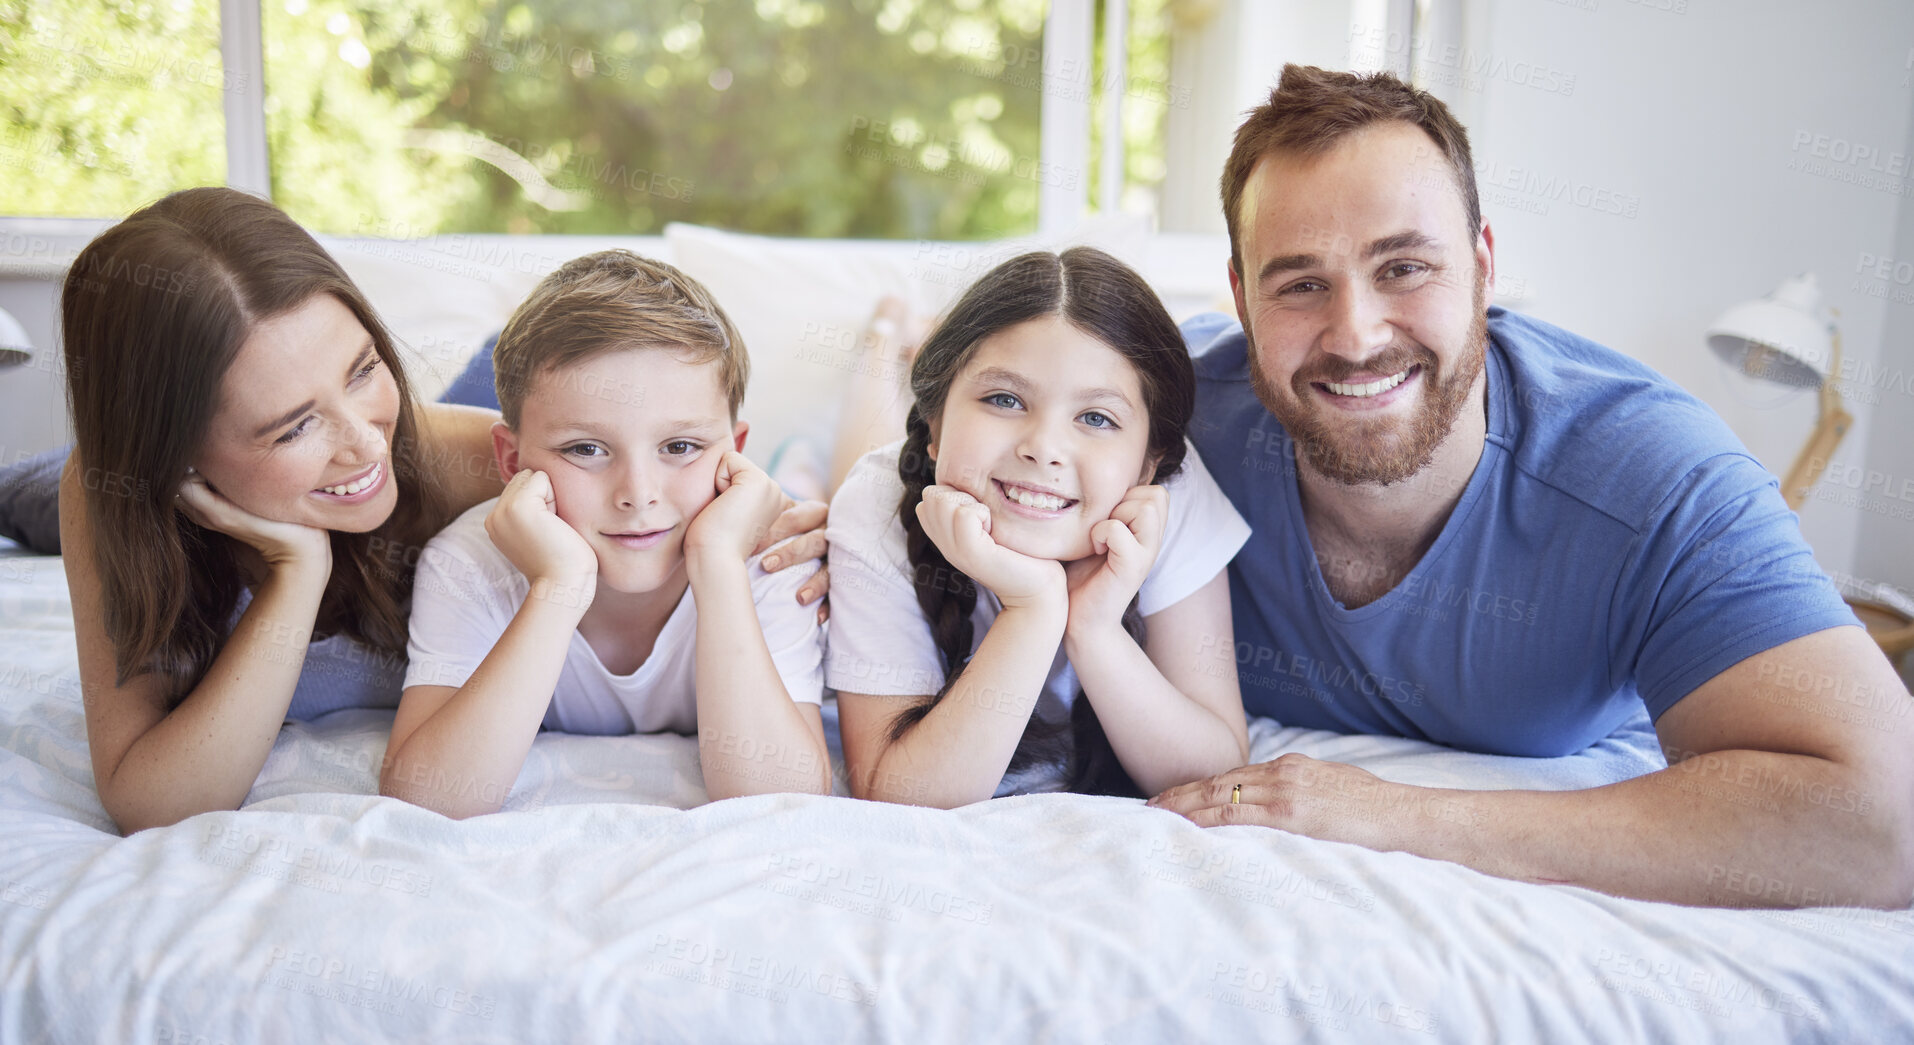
x=250, y=485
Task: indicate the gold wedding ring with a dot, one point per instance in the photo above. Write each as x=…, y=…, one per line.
x=1236, y=795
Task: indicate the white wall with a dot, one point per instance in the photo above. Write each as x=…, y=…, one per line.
x=33, y=396
x=1884, y=547
x=1695, y=117
x=1227, y=55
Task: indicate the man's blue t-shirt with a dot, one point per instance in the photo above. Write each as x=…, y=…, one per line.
x=1616, y=546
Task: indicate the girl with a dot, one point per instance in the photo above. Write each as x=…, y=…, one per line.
x=1041, y=527
x=250, y=473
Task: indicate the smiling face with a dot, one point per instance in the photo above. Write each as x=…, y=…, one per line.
x=1363, y=298
x=1047, y=427
x=631, y=439
x=303, y=431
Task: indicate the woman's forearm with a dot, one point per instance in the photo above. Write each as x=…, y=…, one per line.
x=205, y=754
x=456, y=445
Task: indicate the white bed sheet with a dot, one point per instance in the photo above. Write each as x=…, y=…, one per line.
x=611, y=904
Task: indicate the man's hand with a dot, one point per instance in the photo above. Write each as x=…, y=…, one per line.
x=1328, y=800
x=959, y=525
x=734, y=524
x=525, y=526
x=1123, y=548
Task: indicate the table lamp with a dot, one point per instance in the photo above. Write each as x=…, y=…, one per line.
x=1789, y=338
x=14, y=349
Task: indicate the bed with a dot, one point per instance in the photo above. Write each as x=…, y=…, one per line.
x=611, y=902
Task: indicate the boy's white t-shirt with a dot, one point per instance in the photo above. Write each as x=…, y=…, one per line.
x=880, y=644
x=466, y=593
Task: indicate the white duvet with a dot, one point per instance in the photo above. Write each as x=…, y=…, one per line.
x=609, y=903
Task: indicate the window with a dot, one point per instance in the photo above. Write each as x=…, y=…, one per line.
x=848, y=118
x=108, y=105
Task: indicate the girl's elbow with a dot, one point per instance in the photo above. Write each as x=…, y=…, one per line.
x=390, y=784
x=131, y=823
x=129, y=813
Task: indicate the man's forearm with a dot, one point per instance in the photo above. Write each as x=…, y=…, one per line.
x=1730, y=828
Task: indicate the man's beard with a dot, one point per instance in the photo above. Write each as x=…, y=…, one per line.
x=1356, y=449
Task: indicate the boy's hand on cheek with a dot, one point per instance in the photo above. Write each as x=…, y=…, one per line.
x=1124, y=548
x=525, y=526
x=959, y=525
x=731, y=527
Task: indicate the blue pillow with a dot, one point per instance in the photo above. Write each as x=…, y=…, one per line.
x=475, y=385
x=30, y=501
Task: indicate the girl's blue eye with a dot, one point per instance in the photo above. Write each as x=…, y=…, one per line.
x=294, y=434
x=1004, y=400
x=371, y=365
x=682, y=448
x=1098, y=419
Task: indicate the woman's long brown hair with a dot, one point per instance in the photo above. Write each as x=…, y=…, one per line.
x=153, y=313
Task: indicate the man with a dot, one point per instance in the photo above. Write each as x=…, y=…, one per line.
x=1478, y=529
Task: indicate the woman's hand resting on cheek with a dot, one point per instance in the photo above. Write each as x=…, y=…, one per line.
x=1123, y=549
x=283, y=545
x=959, y=525
x=802, y=522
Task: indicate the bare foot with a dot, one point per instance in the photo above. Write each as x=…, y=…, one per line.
x=878, y=394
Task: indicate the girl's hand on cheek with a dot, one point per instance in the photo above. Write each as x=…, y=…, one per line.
x=959, y=525
x=525, y=526
x=1124, y=548
x=281, y=544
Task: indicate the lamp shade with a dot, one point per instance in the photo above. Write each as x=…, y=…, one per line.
x=14, y=349
x=1786, y=337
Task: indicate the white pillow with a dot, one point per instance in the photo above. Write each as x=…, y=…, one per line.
x=802, y=306
x=440, y=298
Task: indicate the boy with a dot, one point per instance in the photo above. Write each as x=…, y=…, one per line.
x=611, y=588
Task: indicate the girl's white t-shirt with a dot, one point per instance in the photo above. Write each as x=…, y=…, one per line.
x=466, y=592
x=879, y=642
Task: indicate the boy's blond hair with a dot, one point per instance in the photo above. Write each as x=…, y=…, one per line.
x=611, y=300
